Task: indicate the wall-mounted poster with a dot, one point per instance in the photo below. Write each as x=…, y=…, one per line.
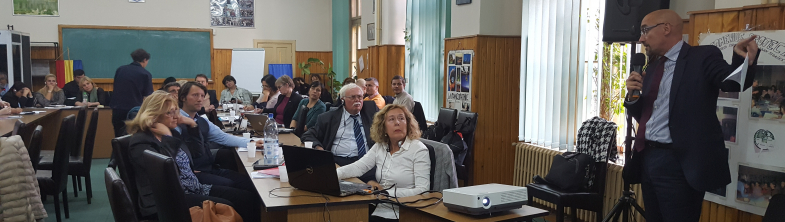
x=459, y=77
x=37, y=7
x=757, y=183
x=767, y=99
x=232, y=13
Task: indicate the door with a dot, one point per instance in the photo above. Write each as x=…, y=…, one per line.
x=277, y=52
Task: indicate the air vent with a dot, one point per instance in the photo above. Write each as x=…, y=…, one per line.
x=511, y=196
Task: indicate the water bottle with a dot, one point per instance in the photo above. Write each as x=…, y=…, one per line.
x=84, y=98
x=272, y=153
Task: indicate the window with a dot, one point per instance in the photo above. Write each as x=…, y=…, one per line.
x=356, y=24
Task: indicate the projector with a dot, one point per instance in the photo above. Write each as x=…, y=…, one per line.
x=485, y=199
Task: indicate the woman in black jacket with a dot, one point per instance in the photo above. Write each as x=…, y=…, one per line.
x=153, y=129
x=88, y=90
x=283, y=112
x=20, y=96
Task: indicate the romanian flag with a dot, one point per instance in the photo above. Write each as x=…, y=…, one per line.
x=65, y=71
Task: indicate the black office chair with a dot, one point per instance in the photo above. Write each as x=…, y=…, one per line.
x=19, y=127
x=388, y=99
x=419, y=115
x=119, y=199
x=775, y=211
x=80, y=167
x=55, y=182
x=167, y=191
x=299, y=129
x=467, y=126
x=445, y=122
x=46, y=162
x=35, y=146
x=127, y=173
x=81, y=120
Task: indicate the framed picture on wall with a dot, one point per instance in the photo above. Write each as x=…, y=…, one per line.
x=371, y=31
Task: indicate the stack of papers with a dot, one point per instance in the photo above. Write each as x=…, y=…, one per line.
x=264, y=174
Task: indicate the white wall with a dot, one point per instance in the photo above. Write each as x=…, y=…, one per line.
x=735, y=3
x=393, y=22
x=684, y=6
x=367, y=18
x=465, y=19
x=306, y=21
x=501, y=17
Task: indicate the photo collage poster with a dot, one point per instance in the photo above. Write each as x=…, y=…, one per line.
x=753, y=125
x=232, y=13
x=459, y=77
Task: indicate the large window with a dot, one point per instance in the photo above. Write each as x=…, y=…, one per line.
x=356, y=24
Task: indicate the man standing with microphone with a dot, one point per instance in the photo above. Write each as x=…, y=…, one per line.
x=679, y=137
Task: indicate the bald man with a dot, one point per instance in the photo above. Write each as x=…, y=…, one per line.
x=679, y=146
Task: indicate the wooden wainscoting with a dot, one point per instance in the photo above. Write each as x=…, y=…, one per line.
x=495, y=76
x=303, y=56
x=759, y=17
x=383, y=62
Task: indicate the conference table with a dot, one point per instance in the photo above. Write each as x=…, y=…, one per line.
x=298, y=205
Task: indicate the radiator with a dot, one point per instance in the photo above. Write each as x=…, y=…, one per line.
x=531, y=160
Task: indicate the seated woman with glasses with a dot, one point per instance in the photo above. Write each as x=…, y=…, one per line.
x=315, y=106
x=90, y=94
x=402, y=163
x=50, y=94
x=287, y=103
x=153, y=129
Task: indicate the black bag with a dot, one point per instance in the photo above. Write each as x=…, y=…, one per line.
x=571, y=171
x=631, y=173
x=455, y=141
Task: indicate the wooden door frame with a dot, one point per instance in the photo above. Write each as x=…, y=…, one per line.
x=294, y=48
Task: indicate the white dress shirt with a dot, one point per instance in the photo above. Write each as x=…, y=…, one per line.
x=408, y=169
x=344, y=144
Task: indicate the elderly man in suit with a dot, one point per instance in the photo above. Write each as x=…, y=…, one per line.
x=679, y=140
x=345, y=131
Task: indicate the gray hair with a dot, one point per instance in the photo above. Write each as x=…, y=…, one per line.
x=348, y=87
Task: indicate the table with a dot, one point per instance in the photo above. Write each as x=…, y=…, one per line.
x=307, y=206
x=7, y=125
x=440, y=213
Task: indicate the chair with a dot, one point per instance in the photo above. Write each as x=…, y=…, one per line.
x=47, y=164
x=81, y=118
x=167, y=191
x=121, y=145
x=388, y=99
x=432, y=156
x=466, y=125
x=80, y=167
x=35, y=146
x=19, y=127
x=445, y=122
x=54, y=182
x=419, y=115
x=119, y=199
x=774, y=211
x=591, y=200
x=299, y=129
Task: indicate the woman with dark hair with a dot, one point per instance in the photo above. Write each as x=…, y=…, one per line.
x=327, y=97
x=315, y=107
x=270, y=93
x=347, y=81
x=167, y=81
x=300, y=86
x=287, y=102
x=234, y=93
x=19, y=96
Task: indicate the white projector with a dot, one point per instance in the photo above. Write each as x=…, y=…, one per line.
x=485, y=199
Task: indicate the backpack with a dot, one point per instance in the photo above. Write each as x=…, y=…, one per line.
x=571, y=171
x=455, y=141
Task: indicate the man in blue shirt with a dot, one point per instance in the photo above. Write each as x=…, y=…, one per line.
x=132, y=83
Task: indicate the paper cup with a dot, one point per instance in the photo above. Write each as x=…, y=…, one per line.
x=226, y=107
x=231, y=115
x=308, y=144
x=247, y=136
x=284, y=175
x=251, y=149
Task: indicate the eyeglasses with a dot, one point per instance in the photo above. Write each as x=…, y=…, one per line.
x=354, y=97
x=171, y=113
x=645, y=30
x=399, y=119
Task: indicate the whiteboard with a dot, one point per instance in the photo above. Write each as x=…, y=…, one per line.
x=248, y=68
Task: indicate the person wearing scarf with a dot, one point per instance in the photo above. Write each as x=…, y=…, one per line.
x=95, y=96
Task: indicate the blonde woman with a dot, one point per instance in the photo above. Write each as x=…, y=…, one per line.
x=153, y=129
x=50, y=94
x=89, y=91
x=399, y=157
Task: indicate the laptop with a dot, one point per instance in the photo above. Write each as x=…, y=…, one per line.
x=314, y=170
x=256, y=122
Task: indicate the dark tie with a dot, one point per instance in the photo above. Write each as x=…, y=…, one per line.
x=648, y=103
x=358, y=136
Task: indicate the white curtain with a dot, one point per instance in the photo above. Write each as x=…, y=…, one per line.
x=553, y=73
x=426, y=26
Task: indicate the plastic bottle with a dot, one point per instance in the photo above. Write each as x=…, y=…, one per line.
x=272, y=153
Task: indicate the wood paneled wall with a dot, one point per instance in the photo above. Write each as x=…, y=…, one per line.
x=43, y=52
x=383, y=62
x=303, y=56
x=759, y=17
x=496, y=69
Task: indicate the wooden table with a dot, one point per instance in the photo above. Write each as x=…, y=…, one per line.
x=440, y=213
x=51, y=119
x=299, y=205
x=7, y=125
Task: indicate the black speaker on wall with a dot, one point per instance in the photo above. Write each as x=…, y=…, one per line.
x=623, y=18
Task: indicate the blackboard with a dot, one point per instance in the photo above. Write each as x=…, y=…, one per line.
x=176, y=52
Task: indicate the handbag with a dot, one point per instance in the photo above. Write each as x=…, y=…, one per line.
x=571, y=171
x=214, y=212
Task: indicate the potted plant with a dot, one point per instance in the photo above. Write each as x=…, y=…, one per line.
x=330, y=82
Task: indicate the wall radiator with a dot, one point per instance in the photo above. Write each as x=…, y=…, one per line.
x=531, y=160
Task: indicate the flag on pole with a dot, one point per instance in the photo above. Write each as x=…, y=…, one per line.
x=65, y=71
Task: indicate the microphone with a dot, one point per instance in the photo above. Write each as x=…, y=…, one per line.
x=638, y=61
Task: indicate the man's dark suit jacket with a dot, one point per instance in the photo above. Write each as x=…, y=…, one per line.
x=695, y=131
x=324, y=133
x=289, y=108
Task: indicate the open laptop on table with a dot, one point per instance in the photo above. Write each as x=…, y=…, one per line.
x=256, y=122
x=314, y=170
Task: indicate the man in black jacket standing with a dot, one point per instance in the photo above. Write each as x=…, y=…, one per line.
x=132, y=83
x=679, y=139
